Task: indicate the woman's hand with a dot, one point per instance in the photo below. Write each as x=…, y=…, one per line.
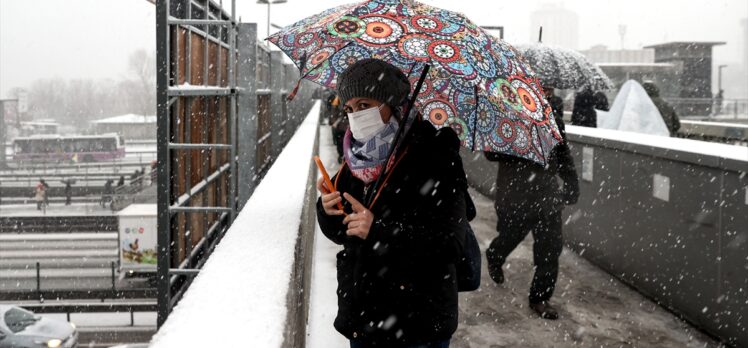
x=330, y=199
x=359, y=222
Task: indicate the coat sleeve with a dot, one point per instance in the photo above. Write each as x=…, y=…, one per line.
x=433, y=229
x=332, y=226
x=566, y=169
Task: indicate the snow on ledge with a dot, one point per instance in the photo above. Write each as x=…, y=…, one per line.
x=735, y=152
x=239, y=297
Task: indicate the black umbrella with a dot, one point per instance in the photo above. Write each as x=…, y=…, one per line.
x=564, y=68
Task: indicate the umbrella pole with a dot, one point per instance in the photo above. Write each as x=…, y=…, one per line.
x=399, y=135
x=540, y=35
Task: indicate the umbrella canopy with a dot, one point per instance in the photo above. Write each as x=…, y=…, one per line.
x=563, y=68
x=477, y=84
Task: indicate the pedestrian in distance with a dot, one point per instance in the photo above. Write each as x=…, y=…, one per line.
x=666, y=110
x=108, y=193
x=584, y=113
x=40, y=192
x=339, y=125
x=46, y=192
x=529, y=200
x=396, y=273
x=68, y=192
x=601, y=101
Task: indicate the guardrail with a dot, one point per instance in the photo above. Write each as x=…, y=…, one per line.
x=68, y=308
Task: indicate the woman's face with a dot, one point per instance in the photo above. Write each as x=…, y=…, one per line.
x=359, y=104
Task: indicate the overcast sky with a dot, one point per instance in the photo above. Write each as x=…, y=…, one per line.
x=93, y=38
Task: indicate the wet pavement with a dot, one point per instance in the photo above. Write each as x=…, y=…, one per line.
x=596, y=310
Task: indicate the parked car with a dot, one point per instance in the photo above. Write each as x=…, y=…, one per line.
x=20, y=328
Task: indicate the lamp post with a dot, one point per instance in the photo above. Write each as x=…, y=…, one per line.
x=268, y=2
x=719, y=76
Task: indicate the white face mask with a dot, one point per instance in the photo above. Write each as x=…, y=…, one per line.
x=366, y=123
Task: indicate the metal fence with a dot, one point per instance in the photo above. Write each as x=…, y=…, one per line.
x=220, y=125
x=711, y=108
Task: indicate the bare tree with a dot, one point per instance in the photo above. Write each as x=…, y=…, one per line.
x=143, y=68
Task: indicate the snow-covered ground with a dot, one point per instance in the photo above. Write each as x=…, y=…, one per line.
x=596, y=309
x=323, y=301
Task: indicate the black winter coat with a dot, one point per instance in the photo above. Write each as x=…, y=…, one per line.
x=584, y=113
x=398, y=287
x=525, y=187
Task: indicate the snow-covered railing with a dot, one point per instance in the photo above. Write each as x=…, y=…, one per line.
x=250, y=292
x=667, y=216
x=660, y=146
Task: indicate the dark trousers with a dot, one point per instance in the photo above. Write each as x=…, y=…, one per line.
x=547, y=247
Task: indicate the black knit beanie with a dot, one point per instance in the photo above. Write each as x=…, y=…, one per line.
x=375, y=79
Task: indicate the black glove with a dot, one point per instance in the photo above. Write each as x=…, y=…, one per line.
x=571, y=193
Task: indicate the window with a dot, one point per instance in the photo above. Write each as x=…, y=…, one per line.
x=17, y=319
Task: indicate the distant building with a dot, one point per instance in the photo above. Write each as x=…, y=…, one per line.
x=693, y=85
x=129, y=126
x=601, y=54
x=39, y=128
x=638, y=65
x=560, y=26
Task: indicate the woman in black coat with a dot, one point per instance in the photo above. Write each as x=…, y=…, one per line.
x=396, y=273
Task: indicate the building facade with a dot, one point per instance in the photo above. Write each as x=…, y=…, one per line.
x=560, y=26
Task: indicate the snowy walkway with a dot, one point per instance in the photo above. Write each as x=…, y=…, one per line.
x=596, y=309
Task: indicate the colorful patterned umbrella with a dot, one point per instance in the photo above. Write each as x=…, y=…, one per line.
x=477, y=84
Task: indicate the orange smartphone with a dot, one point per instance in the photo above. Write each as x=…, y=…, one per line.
x=322, y=170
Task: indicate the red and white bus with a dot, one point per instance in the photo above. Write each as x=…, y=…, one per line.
x=75, y=148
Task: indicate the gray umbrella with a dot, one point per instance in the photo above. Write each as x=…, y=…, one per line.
x=564, y=68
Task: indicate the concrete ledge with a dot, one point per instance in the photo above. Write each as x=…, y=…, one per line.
x=252, y=292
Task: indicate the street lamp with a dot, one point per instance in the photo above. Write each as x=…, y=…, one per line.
x=269, y=3
x=719, y=76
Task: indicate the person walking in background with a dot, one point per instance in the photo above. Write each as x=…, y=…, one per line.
x=46, y=192
x=584, y=113
x=601, y=101
x=396, y=273
x=528, y=199
x=68, y=192
x=339, y=124
x=666, y=110
x=106, y=197
x=121, y=181
x=40, y=194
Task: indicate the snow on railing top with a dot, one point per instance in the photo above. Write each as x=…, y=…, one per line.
x=735, y=152
x=239, y=297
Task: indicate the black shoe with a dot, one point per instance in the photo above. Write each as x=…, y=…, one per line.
x=496, y=274
x=544, y=310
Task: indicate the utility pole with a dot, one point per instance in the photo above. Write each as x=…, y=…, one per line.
x=268, y=2
x=622, y=34
x=719, y=76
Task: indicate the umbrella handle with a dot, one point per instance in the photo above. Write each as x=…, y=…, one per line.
x=399, y=135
